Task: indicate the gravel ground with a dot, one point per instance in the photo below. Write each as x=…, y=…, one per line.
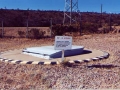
x=104, y=74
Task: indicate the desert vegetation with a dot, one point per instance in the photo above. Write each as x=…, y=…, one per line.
x=21, y=32
x=91, y=22
x=102, y=74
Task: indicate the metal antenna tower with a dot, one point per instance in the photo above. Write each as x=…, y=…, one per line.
x=71, y=6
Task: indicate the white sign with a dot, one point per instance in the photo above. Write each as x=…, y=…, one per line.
x=63, y=42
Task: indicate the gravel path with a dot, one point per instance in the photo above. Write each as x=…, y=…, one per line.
x=104, y=74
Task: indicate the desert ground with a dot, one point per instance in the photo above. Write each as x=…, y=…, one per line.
x=101, y=74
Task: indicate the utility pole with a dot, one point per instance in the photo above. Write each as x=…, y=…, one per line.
x=27, y=15
x=110, y=21
x=71, y=12
x=101, y=16
x=80, y=25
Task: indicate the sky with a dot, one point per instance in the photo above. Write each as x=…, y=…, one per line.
x=109, y=6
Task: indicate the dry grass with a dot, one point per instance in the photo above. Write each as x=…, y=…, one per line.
x=13, y=31
x=103, y=74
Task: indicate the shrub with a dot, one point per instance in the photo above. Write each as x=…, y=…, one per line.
x=35, y=33
x=58, y=30
x=21, y=33
x=89, y=28
x=61, y=29
x=2, y=33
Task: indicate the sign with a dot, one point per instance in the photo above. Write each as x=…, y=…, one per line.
x=63, y=43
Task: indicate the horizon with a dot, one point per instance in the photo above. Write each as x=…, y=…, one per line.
x=60, y=11
x=84, y=6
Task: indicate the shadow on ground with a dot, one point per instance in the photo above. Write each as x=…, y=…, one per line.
x=103, y=66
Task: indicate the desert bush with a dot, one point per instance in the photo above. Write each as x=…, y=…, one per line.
x=66, y=63
x=35, y=33
x=61, y=29
x=89, y=28
x=21, y=33
x=58, y=30
x=1, y=35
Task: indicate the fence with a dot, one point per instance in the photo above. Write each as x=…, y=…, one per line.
x=22, y=31
x=88, y=24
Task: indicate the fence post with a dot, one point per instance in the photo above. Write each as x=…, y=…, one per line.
x=101, y=16
x=27, y=30
x=2, y=29
x=110, y=21
x=80, y=18
x=51, y=27
x=80, y=26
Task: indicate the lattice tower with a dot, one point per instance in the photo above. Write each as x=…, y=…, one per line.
x=71, y=11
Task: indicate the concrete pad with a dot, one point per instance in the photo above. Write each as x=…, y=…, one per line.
x=48, y=52
x=16, y=56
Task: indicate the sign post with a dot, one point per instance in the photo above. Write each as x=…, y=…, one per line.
x=62, y=55
x=63, y=43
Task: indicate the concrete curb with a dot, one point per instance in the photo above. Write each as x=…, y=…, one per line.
x=27, y=62
x=104, y=56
